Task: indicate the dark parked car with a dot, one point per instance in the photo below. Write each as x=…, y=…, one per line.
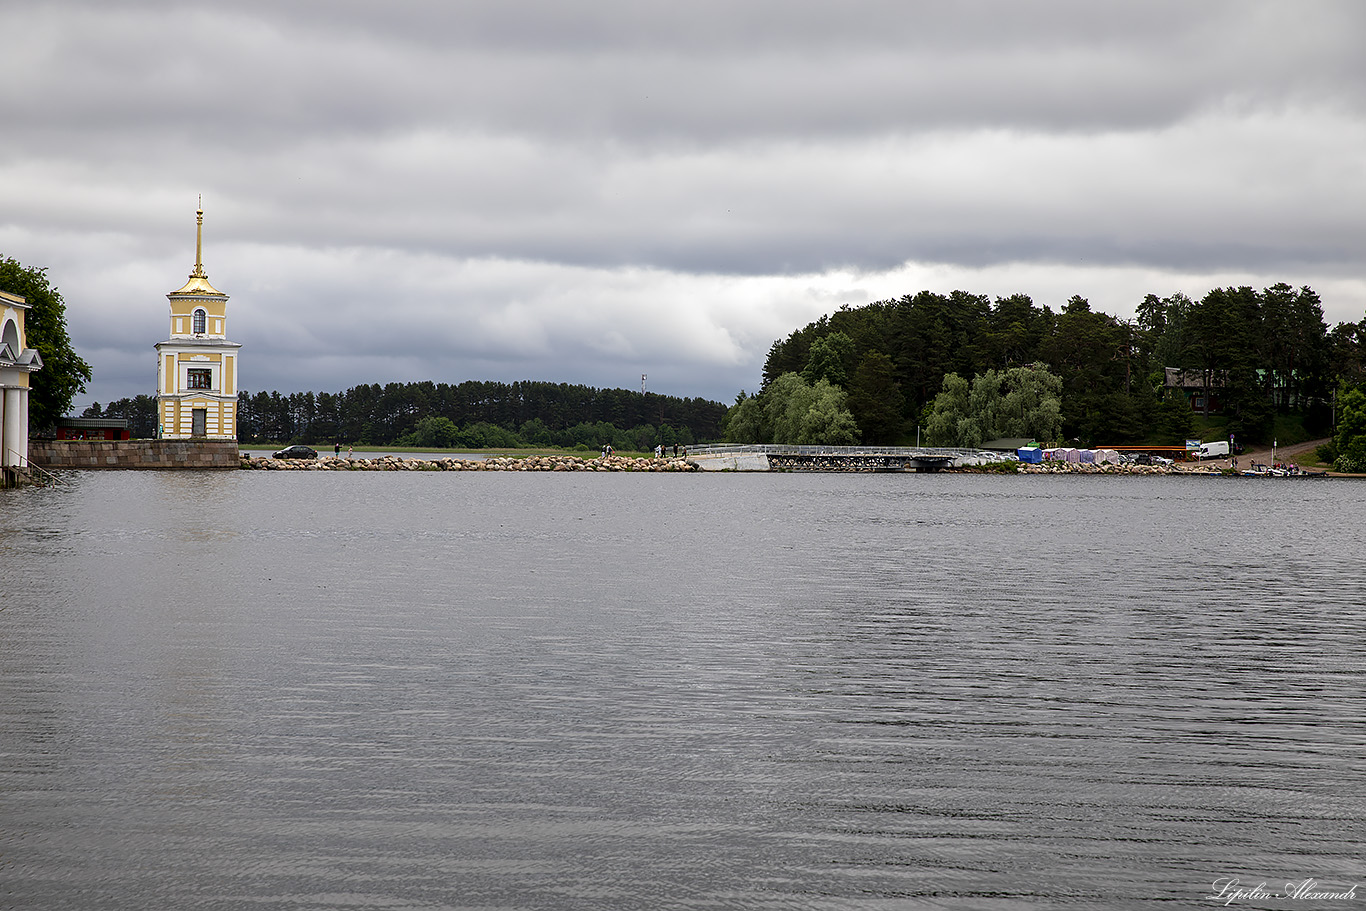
x=295, y=452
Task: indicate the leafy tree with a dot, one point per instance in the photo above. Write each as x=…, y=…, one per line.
x=1295, y=348
x=1255, y=351
x=483, y=435
x=1350, y=440
x=948, y=412
x=1016, y=331
x=432, y=432
x=140, y=412
x=819, y=415
x=373, y=414
x=1347, y=353
x=875, y=399
x=1091, y=353
x=64, y=373
x=535, y=432
x=1227, y=339
x=808, y=415
x=830, y=359
x=1175, y=420
x=1019, y=402
x=745, y=421
x=774, y=399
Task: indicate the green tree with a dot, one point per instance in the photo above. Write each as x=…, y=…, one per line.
x=818, y=415
x=1350, y=440
x=483, y=435
x=1016, y=330
x=1228, y=347
x=948, y=412
x=432, y=432
x=775, y=399
x=535, y=432
x=875, y=399
x=1175, y=420
x=1347, y=358
x=808, y=415
x=830, y=359
x=1092, y=353
x=1020, y=402
x=826, y=419
x=64, y=373
x=745, y=420
x=140, y=412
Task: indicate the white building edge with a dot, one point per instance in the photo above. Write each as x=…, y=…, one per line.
x=17, y=361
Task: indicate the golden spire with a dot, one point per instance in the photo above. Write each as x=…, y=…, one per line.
x=199, y=279
x=199, y=241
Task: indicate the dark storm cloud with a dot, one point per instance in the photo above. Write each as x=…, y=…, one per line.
x=645, y=73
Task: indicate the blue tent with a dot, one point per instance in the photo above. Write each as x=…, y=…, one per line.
x=1031, y=454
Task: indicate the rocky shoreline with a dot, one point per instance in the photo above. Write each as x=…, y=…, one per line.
x=624, y=463
x=1189, y=471
x=530, y=463
x=1109, y=468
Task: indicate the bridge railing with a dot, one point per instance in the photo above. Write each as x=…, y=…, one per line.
x=926, y=452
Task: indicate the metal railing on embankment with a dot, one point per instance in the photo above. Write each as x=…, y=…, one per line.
x=776, y=455
x=927, y=452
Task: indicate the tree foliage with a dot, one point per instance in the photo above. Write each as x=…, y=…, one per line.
x=831, y=359
x=1257, y=354
x=140, y=412
x=745, y=421
x=1019, y=402
x=64, y=374
x=791, y=410
x=1350, y=440
x=484, y=414
x=875, y=399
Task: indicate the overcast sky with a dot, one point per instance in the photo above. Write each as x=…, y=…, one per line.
x=585, y=192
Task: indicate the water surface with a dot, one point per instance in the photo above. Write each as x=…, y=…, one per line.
x=561, y=691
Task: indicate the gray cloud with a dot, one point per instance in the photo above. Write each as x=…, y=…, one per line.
x=588, y=191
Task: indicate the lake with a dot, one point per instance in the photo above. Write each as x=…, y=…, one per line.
x=499, y=690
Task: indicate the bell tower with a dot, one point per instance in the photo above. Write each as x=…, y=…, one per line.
x=197, y=365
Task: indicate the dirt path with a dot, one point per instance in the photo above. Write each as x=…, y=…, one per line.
x=1282, y=453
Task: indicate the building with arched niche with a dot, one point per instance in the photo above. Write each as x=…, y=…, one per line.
x=197, y=365
x=17, y=361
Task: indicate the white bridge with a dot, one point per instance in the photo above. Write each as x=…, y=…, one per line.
x=780, y=457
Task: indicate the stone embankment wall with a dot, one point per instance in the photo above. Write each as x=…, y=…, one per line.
x=160, y=455
x=532, y=463
x=835, y=463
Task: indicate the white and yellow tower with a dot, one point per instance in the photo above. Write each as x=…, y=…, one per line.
x=197, y=365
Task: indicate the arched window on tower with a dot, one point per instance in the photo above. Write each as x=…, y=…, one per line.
x=200, y=318
x=9, y=338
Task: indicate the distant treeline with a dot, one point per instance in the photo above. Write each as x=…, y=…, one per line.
x=476, y=414
x=1254, y=354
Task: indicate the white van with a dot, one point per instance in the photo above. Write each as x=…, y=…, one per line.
x=1215, y=450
